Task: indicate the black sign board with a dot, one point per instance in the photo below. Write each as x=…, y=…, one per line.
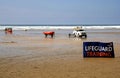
x=98, y=49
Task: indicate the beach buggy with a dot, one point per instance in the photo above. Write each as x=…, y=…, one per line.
x=78, y=32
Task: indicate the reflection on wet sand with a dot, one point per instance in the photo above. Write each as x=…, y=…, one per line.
x=26, y=56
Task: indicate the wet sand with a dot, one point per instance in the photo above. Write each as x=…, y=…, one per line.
x=26, y=56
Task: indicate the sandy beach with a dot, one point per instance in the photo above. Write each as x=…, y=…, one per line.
x=27, y=54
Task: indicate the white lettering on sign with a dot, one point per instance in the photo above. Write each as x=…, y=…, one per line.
x=98, y=48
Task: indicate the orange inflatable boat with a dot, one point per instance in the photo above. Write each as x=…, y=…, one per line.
x=49, y=33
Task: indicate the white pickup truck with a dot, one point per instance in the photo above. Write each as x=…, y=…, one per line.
x=78, y=33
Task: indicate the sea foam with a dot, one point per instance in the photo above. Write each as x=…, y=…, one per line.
x=33, y=27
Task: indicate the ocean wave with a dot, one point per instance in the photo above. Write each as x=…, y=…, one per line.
x=56, y=27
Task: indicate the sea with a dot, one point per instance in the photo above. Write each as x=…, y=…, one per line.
x=58, y=27
x=62, y=31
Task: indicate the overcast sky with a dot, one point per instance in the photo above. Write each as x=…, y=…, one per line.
x=59, y=11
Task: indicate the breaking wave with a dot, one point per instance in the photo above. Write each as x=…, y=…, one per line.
x=27, y=27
